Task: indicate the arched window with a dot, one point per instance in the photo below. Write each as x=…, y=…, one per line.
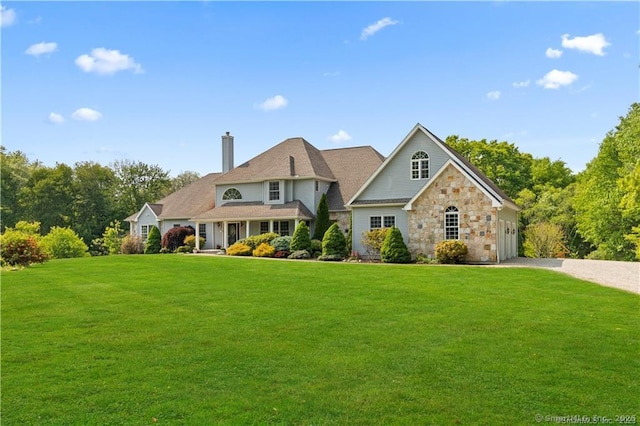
x=420, y=165
x=232, y=194
x=451, y=223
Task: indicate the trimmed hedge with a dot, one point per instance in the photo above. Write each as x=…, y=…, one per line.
x=239, y=249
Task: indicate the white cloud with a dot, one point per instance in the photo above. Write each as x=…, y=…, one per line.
x=340, y=137
x=521, y=84
x=553, y=53
x=494, y=95
x=41, y=48
x=554, y=79
x=273, y=103
x=7, y=16
x=86, y=114
x=56, y=118
x=591, y=44
x=374, y=28
x=105, y=61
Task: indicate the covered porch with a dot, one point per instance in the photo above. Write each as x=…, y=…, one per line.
x=234, y=221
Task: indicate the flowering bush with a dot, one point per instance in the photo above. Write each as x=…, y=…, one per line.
x=281, y=253
x=239, y=249
x=451, y=251
x=264, y=250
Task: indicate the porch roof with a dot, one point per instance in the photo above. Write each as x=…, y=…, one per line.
x=241, y=211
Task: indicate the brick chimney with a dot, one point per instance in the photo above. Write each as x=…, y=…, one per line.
x=227, y=152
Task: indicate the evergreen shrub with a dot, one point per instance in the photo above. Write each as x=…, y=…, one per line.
x=393, y=249
x=300, y=254
x=239, y=249
x=334, y=245
x=281, y=243
x=301, y=239
x=264, y=250
x=190, y=240
x=154, y=241
x=322, y=218
x=19, y=248
x=184, y=249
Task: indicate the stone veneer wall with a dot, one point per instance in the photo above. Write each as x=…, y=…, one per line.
x=477, y=218
x=343, y=219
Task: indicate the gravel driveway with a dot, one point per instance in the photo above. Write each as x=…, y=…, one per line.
x=621, y=275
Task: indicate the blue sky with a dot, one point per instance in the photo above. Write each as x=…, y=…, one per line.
x=160, y=82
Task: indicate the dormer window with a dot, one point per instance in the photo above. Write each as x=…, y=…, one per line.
x=420, y=165
x=274, y=191
x=231, y=194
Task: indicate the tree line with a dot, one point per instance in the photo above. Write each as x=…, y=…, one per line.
x=86, y=197
x=592, y=214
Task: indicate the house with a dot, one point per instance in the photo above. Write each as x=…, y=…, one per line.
x=432, y=193
x=271, y=192
x=425, y=188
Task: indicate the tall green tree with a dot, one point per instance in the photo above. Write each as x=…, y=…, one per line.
x=183, y=179
x=93, y=188
x=322, y=218
x=605, y=198
x=502, y=162
x=47, y=197
x=138, y=183
x=15, y=170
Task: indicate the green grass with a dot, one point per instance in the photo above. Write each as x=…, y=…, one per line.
x=201, y=340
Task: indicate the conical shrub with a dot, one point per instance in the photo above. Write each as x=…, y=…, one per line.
x=394, y=250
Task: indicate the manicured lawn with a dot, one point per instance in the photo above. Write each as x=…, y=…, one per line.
x=202, y=340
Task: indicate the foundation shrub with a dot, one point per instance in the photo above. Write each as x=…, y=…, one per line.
x=333, y=243
x=300, y=254
x=190, y=240
x=281, y=243
x=393, y=249
x=264, y=250
x=239, y=249
x=154, y=241
x=174, y=237
x=451, y=251
x=132, y=244
x=184, y=249
x=281, y=254
x=301, y=239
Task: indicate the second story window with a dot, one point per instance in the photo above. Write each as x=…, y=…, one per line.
x=420, y=165
x=232, y=194
x=274, y=191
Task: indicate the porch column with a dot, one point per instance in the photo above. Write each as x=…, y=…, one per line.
x=197, y=236
x=225, y=239
x=248, y=234
x=271, y=225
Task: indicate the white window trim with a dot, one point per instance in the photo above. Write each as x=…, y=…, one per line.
x=419, y=161
x=382, y=218
x=280, y=189
x=457, y=227
x=231, y=199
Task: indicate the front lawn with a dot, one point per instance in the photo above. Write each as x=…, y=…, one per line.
x=175, y=339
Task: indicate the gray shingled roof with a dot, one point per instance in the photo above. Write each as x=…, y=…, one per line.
x=294, y=157
x=237, y=210
x=351, y=167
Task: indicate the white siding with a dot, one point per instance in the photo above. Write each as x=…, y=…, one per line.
x=394, y=181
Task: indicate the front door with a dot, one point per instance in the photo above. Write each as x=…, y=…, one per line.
x=233, y=228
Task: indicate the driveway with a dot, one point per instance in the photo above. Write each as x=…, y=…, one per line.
x=621, y=275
